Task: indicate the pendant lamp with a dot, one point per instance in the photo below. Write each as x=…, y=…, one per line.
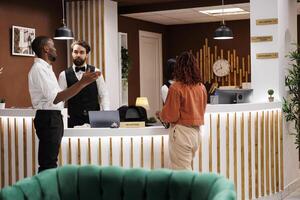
x=63, y=32
x=223, y=32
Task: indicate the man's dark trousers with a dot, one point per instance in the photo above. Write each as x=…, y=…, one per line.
x=49, y=129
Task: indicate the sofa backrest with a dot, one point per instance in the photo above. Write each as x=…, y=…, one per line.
x=114, y=183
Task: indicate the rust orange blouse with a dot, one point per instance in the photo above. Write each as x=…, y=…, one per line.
x=185, y=104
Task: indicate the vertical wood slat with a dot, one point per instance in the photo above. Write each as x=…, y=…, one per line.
x=204, y=64
x=200, y=153
x=131, y=152
x=69, y=151
x=142, y=152
x=218, y=145
x=256, y=156
x=17, y=149
x=262, y=158
x=24, y=148
x=92, y=30
x=201, y=63
x=250, y=155
x=122, y=153
x=272, y=153
x=276, y=152
x=33, y=148
x=2, y=183
x=162, y=154
x=227, y=147
x=243, y=154
x=59, y=156
x=81, y=29
x=281, y=151
x=9, y=152
x=86, y=21
x=210, y=143
x=208, y=64
x=249, y=64
x=77, y=19
x=152, y=153
x=98, y=26
x=235, y=149
x=103, y=38
x=267, y=150
x=100, y=151
x=79, y=151
x=110, y=152
x=89, y=151
x=69, y=11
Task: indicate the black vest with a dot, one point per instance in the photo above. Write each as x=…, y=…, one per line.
x=84, y=101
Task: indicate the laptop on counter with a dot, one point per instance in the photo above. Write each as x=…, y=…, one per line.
x=104, y=119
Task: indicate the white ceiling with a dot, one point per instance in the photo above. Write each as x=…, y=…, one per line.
x=191, y=15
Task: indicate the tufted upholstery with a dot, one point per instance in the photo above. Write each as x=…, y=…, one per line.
x=114, y=183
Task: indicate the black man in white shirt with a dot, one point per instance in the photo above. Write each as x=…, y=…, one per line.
x=47, y=98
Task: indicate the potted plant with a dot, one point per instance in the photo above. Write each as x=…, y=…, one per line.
x=291, y=104
x=271, y=92
x=126, y=64
x=2, y=103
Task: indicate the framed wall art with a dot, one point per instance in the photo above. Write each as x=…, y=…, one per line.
x=21, y=41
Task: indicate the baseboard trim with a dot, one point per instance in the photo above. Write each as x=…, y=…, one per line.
x=290, y=188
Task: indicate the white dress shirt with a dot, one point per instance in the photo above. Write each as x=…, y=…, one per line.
x=43, y=86
x=101, y=87
x=164, y=91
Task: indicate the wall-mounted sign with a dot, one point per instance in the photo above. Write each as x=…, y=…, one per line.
x=267, y=21
x=267, y=55
x=267, y=38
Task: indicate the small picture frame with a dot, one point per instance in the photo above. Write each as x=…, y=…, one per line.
x=21, y=41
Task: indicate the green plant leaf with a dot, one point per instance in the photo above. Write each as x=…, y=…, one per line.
x=291, y=104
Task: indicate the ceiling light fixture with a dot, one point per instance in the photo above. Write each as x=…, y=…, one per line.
x=223, y=32
x=63, y=32
x=225, y=11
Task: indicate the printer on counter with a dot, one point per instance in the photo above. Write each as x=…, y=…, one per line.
x=232, y=95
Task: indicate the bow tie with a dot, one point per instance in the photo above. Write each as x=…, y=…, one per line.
x=77, y=69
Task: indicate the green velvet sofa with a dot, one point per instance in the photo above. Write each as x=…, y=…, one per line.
x=114, y=183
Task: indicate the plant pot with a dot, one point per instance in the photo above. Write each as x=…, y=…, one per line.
x=2, y=105
x=271, y=99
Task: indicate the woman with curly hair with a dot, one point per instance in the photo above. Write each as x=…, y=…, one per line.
x=184, y=110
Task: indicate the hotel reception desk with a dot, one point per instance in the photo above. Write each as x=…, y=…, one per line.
x=243, y=142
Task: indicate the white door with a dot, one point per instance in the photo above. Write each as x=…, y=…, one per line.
x=151, y=69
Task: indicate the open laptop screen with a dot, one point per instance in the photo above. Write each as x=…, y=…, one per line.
x=100, y=119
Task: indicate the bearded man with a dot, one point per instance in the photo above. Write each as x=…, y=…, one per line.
x=93, y=97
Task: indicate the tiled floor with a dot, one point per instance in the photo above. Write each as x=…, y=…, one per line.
x=294, y=196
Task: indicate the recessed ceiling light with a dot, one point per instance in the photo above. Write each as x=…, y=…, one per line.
x=225, y=11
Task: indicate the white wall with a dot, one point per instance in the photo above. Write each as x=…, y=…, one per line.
x=287, y=34
x=263, y=70
x=270, y=73
x=112, y=77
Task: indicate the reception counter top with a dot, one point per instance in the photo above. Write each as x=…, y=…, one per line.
x=243, y=142
x=211, y=108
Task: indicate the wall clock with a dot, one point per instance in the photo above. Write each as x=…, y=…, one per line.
x=221, y=68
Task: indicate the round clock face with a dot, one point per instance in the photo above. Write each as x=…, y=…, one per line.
x=221, y=67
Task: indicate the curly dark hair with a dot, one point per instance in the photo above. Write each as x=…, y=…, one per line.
x=186, y=69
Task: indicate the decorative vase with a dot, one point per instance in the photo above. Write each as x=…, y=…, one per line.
x=271, y=99
x=2, y=105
